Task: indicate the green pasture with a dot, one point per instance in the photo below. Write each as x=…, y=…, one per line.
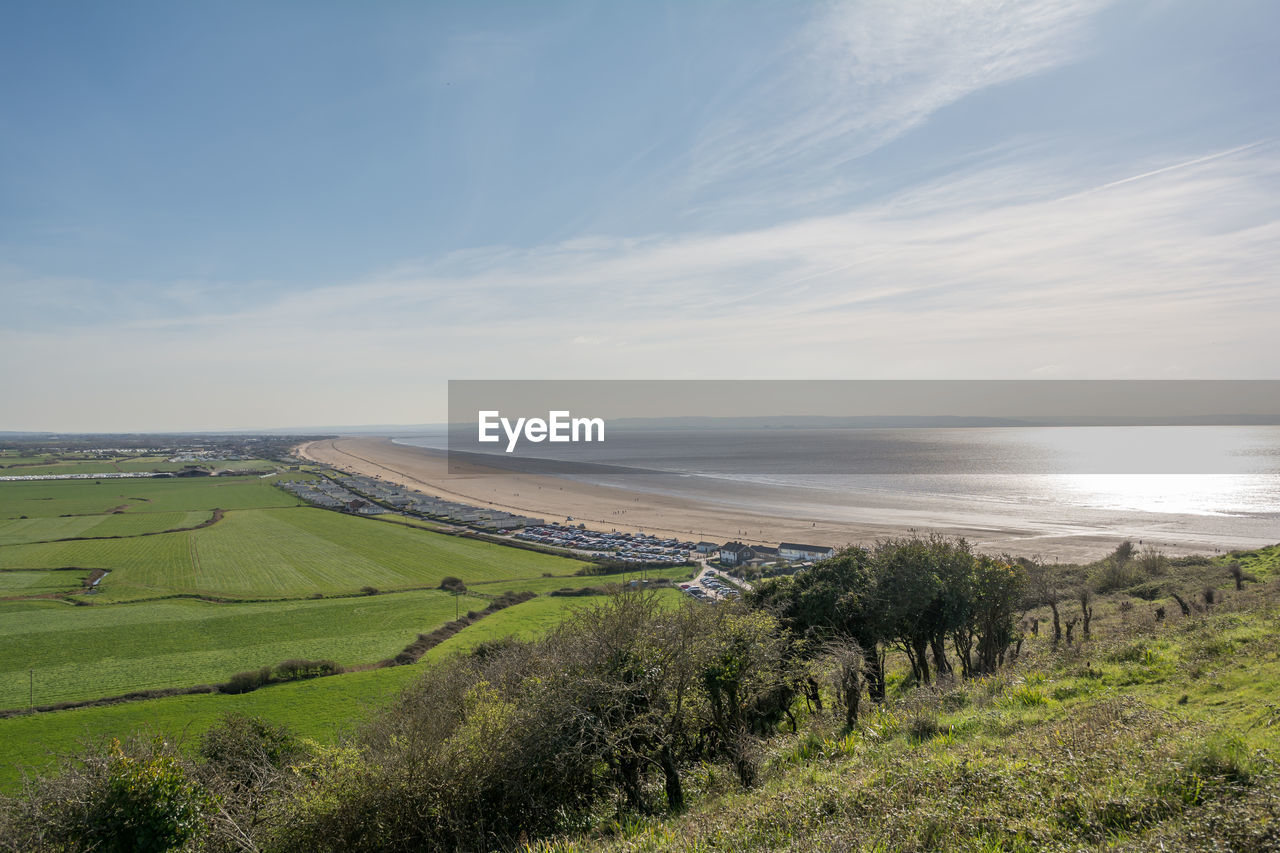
x=89, y=464
x=81, y=653
x=55, y=498
x=17, y=583
x=29, y=530
x=322, y=708
x=284, y=553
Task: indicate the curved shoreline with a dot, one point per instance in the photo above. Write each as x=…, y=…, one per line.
x=609, y=507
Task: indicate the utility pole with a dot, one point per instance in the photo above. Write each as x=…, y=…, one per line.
x=31, y=685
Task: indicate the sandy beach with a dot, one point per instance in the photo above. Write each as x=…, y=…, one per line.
x=608, y=508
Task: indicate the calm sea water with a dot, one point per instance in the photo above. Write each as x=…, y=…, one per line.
x=1210, y=485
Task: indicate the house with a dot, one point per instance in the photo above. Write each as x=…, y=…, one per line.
x=791, y=552
x=765, y=553
x=706, y=548
x=736, y=554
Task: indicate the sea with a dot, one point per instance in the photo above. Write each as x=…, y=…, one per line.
x=1207, y=487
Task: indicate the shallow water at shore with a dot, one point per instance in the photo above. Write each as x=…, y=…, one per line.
x=1216, y=487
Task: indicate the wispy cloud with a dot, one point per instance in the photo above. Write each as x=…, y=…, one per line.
x=862, y=74
x=1016, y=255
x=1161, y=272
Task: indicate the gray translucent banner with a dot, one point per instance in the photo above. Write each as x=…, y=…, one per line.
x=746, y=429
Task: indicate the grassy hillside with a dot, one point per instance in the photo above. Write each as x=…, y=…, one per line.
x=1151, y=735
x=1154, y=733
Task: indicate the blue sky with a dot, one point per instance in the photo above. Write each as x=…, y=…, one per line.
x=241, y=215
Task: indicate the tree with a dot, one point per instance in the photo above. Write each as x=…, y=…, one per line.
x=835, y=600
x=746, y=689
x=908, y=584
x=1085, y=596
x=999, y=586
x=452, y=584
x=1046, y=591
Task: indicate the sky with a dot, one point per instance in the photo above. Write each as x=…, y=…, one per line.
x=245, y=215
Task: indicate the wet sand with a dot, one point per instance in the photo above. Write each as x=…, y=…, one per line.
x=608, y=508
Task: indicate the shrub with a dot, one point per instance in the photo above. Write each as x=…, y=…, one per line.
x=583, y=590
x=1152, y=561
x=1149, y=591
x=118, y=797
x=292, y=670
x=245, y=682
x=922, y=727
x=1113, y=574
x=240, y=747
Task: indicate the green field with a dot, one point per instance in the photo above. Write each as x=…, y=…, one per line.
x=31, y=530
x=72, y=463
x=265, y=559
x=320, y=708
x=85, y=653
x=284, y=553
x=20, y=583
x=54, y=498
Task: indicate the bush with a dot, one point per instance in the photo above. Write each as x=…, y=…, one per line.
x=1153, y=561
x=922, y=727
x=582, y=590
x=119, y=797
x=248, y=765
x=238, y=745
x=1149, y=591
x=1112, y=574
x=293, y=670
x=245, y=682
x=148, y=804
